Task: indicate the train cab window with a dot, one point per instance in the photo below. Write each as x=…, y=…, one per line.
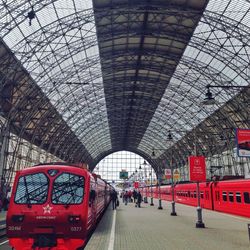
x=231, y=196
x=238, y=197
x=68, y=188
x=224, y=196
x=32, y=189
x=246, y=198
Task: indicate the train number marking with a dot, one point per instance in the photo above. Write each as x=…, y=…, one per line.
x=75, y=229
x=14, y=228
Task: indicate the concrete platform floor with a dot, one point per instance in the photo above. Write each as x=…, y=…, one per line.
x=148, y=228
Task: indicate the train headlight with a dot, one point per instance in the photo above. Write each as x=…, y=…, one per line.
x=17, y=218
x=74, y=218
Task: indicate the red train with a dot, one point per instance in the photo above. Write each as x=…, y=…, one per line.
x=55, y=207
x=232, y=196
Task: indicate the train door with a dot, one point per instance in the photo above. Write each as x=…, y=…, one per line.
x=92, y=202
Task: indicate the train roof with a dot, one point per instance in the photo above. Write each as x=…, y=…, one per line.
x=47, y=166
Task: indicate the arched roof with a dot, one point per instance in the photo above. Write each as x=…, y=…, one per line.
x=84, y=81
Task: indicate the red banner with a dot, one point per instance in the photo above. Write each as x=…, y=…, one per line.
x=197, y=168
x=136, y=184
x=243, y=142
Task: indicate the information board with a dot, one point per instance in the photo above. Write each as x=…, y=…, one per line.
x=197, y=168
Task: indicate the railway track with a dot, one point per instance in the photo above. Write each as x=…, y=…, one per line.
x=2, y=228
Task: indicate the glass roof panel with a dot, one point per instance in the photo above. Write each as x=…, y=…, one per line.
x=215, y=56
x=59, y=49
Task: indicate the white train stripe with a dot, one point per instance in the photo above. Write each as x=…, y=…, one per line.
x=3, y=242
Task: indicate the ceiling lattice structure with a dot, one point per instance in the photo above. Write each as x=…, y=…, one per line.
x=83, y=80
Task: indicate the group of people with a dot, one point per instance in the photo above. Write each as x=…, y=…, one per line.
x=127, y=196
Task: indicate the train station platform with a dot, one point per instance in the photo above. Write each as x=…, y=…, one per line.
x=147, y=228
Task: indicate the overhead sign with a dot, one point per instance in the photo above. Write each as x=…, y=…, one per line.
x=176, y=175
x=197, y=168
x=243, y=142
x=168, y=173
x=123, y=175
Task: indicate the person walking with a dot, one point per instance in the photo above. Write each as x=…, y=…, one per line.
x=135, y=196
x=139, y=199
x=126, y=197
x=114, y=199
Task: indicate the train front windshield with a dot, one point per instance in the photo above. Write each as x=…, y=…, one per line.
x=67, y=188
x=32, y=189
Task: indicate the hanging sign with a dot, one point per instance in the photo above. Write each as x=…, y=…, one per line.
x=168, y=173
x=136, y=184
x=243, y=142
x=197, y=168
x=176, y=175
x=123, y=174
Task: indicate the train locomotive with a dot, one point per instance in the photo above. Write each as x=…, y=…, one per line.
x=55, y=207
x=227, y=196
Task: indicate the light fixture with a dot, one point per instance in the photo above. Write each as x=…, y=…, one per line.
x=169, y=137
x=31, y=15
x=209, y=99
x=153, y=154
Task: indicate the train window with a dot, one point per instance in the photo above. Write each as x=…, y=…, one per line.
x=238, y=197
x=202, y=195
x=68, y=188
x=194, y=194
x=189, y=194
x=224, y=196
x=246, y=197
x=231, y=196
x=32, y=189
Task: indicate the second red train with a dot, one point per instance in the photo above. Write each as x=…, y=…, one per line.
x=232, y=196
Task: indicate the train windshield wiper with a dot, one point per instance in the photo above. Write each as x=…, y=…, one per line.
x=27, y=193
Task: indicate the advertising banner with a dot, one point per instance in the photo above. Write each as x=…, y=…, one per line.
x=197, y=168
x=243, y=142
x=176, y=175
x=168, y=173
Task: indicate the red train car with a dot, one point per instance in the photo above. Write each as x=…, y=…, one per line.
x=54, y=207
x=231, y=196
x=187, y=194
